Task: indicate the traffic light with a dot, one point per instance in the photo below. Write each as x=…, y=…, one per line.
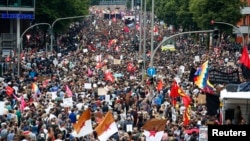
x=216, y=34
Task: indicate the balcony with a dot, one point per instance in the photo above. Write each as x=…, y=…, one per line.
x=245, y=11
x=9, y=45
x=8, y=36
x=243, y=30
x=112, y=2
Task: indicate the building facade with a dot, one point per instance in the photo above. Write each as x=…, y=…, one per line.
x=244, y=24
x=15, y=17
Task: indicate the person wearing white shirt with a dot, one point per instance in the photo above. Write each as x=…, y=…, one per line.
x=59, y=137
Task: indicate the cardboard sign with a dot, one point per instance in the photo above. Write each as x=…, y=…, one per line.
x=104, y=68
x=201, y=99
x=225, y=53
x=101, y=91
x=231, y=64
x=85, y=60
x=117, y=62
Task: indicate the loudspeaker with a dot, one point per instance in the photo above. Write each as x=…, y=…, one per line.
x=229, y=114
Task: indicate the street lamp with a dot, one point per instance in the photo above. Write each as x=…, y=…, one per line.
x=170, y=37
x=152, y=26
x=243, y=40
x=59, y=19
x=20, y=45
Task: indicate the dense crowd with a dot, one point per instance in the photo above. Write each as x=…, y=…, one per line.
x=89, y=49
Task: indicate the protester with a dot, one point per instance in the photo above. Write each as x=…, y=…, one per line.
x=97, y=57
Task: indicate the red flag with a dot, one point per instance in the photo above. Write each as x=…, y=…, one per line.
x=186, y=116
x=9, y=90
x=109, y=77
x=130, y=67
x=186, y=100
x=174, y=90
x=245, y=63
x=89, y=72
x=159, y=85
x=98, y=65
x=23, y=104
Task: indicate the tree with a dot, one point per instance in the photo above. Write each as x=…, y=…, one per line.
x=94, y=2
x=174, y=12
x=49, y=10
x=204, y=11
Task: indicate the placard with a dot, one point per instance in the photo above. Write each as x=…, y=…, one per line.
x=203, y=133
x=101, y=91
x=85, y=60
x=68, y=102
x=104, y=68
x=51, y=95
x=197, y=58
x=225, y=53
x=107, y=98
x=201, y=99
x=87, y=85
x=85, y=50
x=2, y=109
x=231, y=64
x=54, y=95
x=129, y=127
x=117, y=62
x=220, y=77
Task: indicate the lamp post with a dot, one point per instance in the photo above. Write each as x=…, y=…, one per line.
x=144, y=33
x=20, y=45
x=152, y=26
x=59, y=19
x=141, y=20
x=243, y=40
x=168, y=38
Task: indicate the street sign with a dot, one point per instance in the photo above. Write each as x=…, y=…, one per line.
x=16, y=16
x=151, y=71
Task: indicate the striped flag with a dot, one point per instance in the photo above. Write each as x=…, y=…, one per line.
x=35, y=89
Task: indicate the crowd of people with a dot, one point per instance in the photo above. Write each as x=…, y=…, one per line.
x=88, y=50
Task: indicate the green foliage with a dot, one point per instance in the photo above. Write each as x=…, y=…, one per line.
x=94, y=2
x=49, y=10
x=218, y=10
x=174, y=12
x=193, y=14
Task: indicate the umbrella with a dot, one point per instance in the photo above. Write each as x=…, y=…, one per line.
x=193, y=130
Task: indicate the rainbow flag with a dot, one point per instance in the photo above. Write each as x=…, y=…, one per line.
x=201, y=77
x=35, y=89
